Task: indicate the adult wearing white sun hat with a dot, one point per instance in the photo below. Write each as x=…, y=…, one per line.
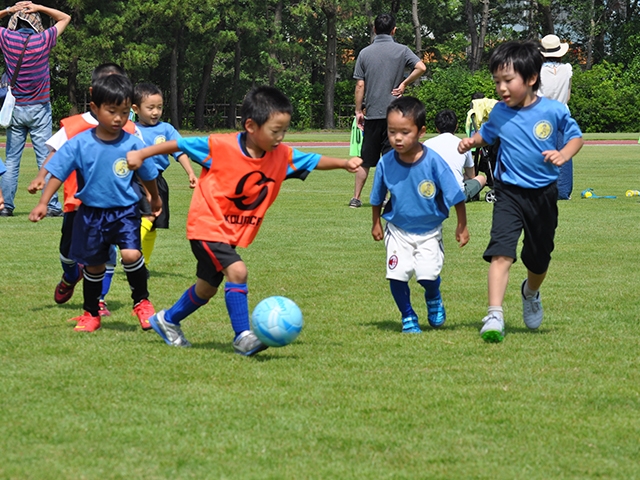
x=555, y=83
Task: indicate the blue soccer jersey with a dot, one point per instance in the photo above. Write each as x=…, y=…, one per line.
x=3, y=169
x=525, y=133
x=159, y=133
x=104, y=180
x=421, y=193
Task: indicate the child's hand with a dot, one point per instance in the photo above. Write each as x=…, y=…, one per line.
x=193, y=180
x=156, y=205
x=376, y=232
x=36, y=185
x=462, y=236
x=554, y=156
x=134, y=160
x=466, y=144
x=353, y=163
x=38, y=213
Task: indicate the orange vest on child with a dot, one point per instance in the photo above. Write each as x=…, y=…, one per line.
x=233, y=195
x=72, y=126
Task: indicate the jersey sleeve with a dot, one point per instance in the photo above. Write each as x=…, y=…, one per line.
x=197, y=149
x=302, y=163
x=489, y=129
x=148, y=169
x=173, y=134
x=448, y=184
x=64, y=161
x=410, y=58
x=378, y=189
x=569, y=126
x=3, y=169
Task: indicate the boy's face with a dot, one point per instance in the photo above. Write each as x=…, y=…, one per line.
x=512, y=88
x=403, y=133
x=111, y=118
x=150, y=110
x=268, y=136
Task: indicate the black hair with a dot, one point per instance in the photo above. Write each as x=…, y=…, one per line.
x=111, y=90
x=525, y=57
x=262, y=102
x=144, y=90
x=477, y=95
x=409, y=107
x=446, y=121
x=384, y=24
x=106, y=69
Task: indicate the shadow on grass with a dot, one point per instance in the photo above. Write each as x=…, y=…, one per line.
x=226, y=347
x=396, y=326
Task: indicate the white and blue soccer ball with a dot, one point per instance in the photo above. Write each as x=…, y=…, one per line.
x=276, y=321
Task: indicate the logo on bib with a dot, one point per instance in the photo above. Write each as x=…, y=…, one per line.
x=427, y=189
x=120, y=168
x=543, y=130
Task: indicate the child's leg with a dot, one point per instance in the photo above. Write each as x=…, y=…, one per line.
x=148, y=235
x=533, y=283
x=110, y=269
x=235, y=297
x=92, y=286
x=498, y=279
x=402, y=295
x=133, y=266
x=192, y=299
x=435, y=307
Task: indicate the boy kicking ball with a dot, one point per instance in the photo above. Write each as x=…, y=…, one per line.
x=423, y=189
x=528, y=128
x=240, y=180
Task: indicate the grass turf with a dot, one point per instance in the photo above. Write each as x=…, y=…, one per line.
x=352, y=397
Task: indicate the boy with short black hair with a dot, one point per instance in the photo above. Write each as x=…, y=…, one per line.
x=147, y=104
x=525, y=178
x=422, y=190
x=109, y=211
x=240, y=180
x=461, y=164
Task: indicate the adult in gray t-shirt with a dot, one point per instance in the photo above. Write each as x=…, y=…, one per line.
x=379, y=75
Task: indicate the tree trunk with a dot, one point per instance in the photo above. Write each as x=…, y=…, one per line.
x=476, y=38
x=71, y=86
x=592, y=34
x=233, y=101
x=205, y=80
x=330, y=68
x=416, y=27
x=370, y=18
x=277, y=23
x=548, y=27
x=395, y=7
x=174, y=115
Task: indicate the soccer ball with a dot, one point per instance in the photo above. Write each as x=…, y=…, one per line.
x=276, y=321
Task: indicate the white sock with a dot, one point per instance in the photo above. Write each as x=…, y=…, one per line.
x=528, y=293
x=497, y=311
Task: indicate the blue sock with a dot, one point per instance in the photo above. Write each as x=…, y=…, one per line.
x=235, y=296
x=431, y=288
x=402, y=295
x=188, y=303
x=106, y=282
x=70, y=270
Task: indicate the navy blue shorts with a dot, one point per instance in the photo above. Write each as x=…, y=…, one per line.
x=213, y=257
x=67, y=233
x=96, y=229
x=533, y=210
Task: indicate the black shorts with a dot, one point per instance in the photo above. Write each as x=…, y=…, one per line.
x=162, y=220
x=375, y=142
x=67, y=233
x=213, y=257
x=533, y=210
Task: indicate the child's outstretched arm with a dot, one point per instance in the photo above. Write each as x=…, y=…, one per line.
x=468, y=143
x=40, y=210
x=38, y=182
x=562, y=156
x=186, y=164
x=462, y=234
x=136, y=157
x=376, y=230
x=331, y=163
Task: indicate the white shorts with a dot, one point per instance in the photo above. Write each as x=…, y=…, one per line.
x=409, y=253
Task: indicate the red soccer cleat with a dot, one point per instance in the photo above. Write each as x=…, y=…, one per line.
x=86, y=323
x=143, y=310
x=104, y=311
x=64, y=289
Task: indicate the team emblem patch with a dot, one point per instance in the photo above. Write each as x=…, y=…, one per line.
x=427, y=189
x=120, y=168
x=159, y=139
x=543, y=130
x=393, y=262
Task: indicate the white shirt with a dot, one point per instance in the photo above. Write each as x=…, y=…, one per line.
x=555, y=81
x=446, y=145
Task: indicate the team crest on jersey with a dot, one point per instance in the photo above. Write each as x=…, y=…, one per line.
x=543, y=130
x=393, y=262
x=159, y=139
x=120, y=168
x=251, y=190
x=427, y=189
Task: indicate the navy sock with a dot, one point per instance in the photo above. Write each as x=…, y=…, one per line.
x=91, y=291
x=402, y=295
x=235, y=296
x=70, y=270
x=188, y=303
x=106, y=282
x=431, y=288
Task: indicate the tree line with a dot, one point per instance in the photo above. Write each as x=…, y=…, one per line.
x=206, y=55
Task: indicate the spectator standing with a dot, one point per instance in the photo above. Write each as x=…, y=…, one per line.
x=32, y=112
x=379, y=75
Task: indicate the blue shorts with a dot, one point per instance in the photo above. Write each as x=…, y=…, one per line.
x=96, y=229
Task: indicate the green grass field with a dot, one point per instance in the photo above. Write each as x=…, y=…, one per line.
x=352, y=398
